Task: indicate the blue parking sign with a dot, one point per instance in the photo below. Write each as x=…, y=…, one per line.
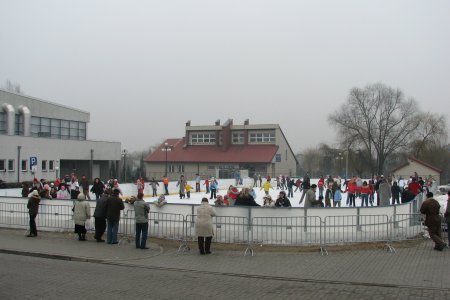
x=33, y=161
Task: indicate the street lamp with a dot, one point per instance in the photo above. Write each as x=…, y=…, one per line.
x=166, y=148
x=340, y=157
x=57, y=169
x=124, y=154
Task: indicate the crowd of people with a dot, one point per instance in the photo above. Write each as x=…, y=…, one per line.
x=69, y=187
x=379, y=191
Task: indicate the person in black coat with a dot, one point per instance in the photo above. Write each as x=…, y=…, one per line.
x=395, y=191
x=407, y=195
x=282, y=200
x=113, y=207
x=245, y=199
x=97, y=188
x=100, y=216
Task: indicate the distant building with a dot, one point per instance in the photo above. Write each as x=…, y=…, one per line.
x=222, y=150
x=48, y=140
x=422, y=168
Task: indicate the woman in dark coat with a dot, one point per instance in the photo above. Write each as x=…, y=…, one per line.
x=97, y=188
x=245, y=198
x=33, y=209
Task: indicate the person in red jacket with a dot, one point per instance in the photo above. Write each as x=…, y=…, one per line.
x=351, y=193
x=414, y=187
x=365, y=192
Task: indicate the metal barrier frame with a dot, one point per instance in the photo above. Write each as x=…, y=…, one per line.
x=280, y=231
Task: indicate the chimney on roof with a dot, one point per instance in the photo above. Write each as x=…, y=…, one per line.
x=226, y=134
x=188, y=123
x=218, y=122
x=246, y=122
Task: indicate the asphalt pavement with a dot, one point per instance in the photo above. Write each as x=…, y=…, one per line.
x=415, y=268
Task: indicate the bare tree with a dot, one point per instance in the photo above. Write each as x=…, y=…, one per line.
x=12, y=87
x=431, y=132
x=378, y=119
x=310, y=161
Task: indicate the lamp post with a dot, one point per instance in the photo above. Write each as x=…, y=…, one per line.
x=57, y=169
x=18, y=163
x=166, y=148
x=340, y=157
x=124, y=154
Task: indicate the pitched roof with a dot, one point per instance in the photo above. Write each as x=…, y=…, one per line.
x=212, y=153
x=411, y=158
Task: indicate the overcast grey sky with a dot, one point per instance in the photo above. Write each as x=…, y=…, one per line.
x=143, y=68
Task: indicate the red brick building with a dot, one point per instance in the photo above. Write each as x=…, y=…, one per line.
x=220, y=150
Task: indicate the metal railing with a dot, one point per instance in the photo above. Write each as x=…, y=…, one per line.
x=287, y=230
x=278, y=231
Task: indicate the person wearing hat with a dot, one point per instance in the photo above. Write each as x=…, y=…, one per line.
x=430, y=208
x=81, y=213
x=33, y=209
x=204, y=226
x=268, y=201
x=282, y=200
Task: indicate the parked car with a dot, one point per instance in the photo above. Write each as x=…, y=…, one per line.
x=443, y=189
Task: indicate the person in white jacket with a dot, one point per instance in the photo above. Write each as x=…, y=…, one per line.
x=81, y=213
x=204, y=226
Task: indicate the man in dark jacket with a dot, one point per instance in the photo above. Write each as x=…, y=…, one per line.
x=113, y=207
x=100, y=216
x=430, y=208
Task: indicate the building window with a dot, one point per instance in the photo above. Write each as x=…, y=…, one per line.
x=57, y=129
x=262, y=137
x=73, y=130
x=45, y=128
x=51, y=165
x=23, y=165
x=18, y=128
x=2, y=165
x=44, y=165
x=2, y=122
x=10, y=164
x=64, y=129
x=203, y=138
x=81, y=130
x=171, y=168
x=238, y=137
x=180, y=168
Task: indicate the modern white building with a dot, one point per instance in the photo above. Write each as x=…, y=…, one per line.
x=40, y=139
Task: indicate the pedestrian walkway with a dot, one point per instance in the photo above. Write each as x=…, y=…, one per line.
x=416, y=267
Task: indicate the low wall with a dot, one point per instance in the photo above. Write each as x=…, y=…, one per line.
x=237, y=224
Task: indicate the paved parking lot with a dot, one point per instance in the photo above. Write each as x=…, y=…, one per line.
x=58, y=261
